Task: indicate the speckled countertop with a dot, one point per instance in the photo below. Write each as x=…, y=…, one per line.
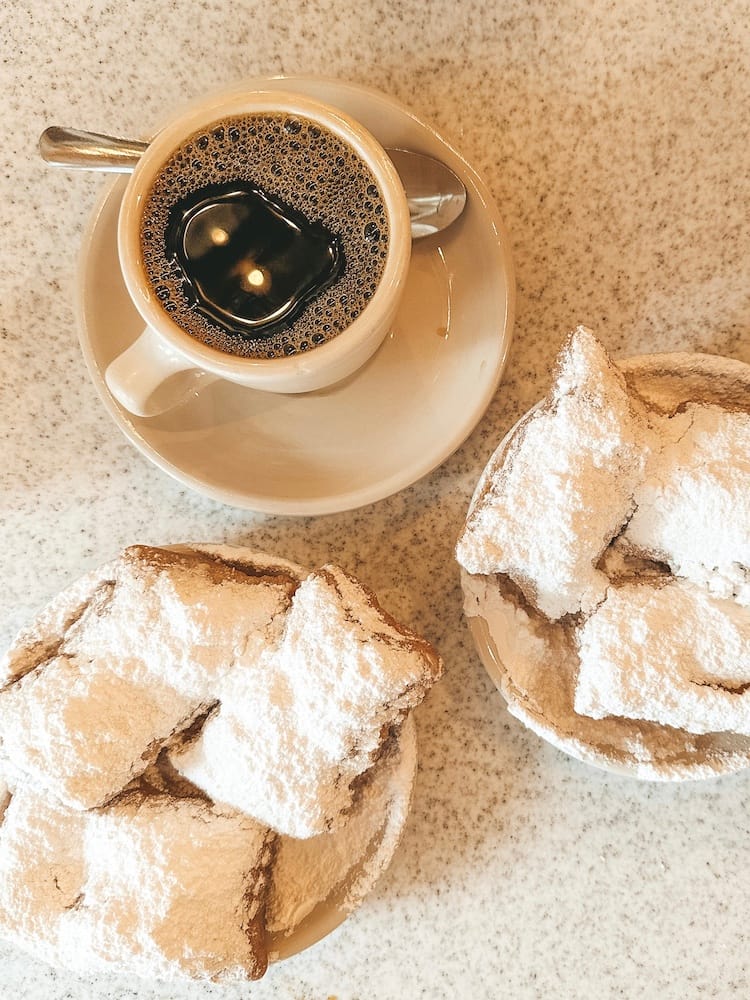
x=614, y=138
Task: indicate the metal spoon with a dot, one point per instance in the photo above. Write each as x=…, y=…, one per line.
x=435, y=195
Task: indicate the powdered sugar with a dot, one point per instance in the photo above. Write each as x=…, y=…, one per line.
x=135, y=664
x=123, y=887
x=662, y=653
x=671, y=654
x=693, y=506
x=39, y=640
x=340, y=676
x=82, y=731
x=348, y=860
x=565, y=486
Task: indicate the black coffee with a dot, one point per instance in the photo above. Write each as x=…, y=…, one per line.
x=264, y=235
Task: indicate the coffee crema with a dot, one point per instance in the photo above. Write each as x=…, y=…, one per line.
x=264, y=235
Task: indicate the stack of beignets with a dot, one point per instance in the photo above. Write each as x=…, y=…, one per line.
x=161, y=724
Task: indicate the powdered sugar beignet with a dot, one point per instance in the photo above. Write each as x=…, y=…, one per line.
x=159, y=887
x=134, y=665
x=565, y=487
x=692, y=509
x=342, y=675
x=671, y=654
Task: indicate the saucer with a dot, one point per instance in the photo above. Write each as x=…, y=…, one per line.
x=522, y=658
x=388, y=425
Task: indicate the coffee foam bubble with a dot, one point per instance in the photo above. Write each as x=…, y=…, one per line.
x=301, y=164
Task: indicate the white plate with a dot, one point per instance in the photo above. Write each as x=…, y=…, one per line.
x=386, y=426
x=521, y=670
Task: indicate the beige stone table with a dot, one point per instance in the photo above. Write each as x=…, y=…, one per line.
x=614, y=138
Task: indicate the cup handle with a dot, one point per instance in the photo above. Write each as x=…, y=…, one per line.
x=149, y=378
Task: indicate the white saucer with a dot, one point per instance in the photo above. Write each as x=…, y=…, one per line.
x=386, y=426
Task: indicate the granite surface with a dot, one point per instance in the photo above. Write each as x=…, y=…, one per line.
x=614, y=138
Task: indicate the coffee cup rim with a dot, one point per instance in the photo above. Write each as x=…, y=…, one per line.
x=267, y=372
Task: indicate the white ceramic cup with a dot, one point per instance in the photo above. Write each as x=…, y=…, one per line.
x=166, y=364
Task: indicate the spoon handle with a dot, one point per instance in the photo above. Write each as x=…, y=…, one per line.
x=67, y=147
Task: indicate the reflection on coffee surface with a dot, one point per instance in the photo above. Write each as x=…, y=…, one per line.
x=248, y=263
x=264, y=235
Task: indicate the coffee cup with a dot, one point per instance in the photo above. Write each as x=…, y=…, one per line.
x=264, y=238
